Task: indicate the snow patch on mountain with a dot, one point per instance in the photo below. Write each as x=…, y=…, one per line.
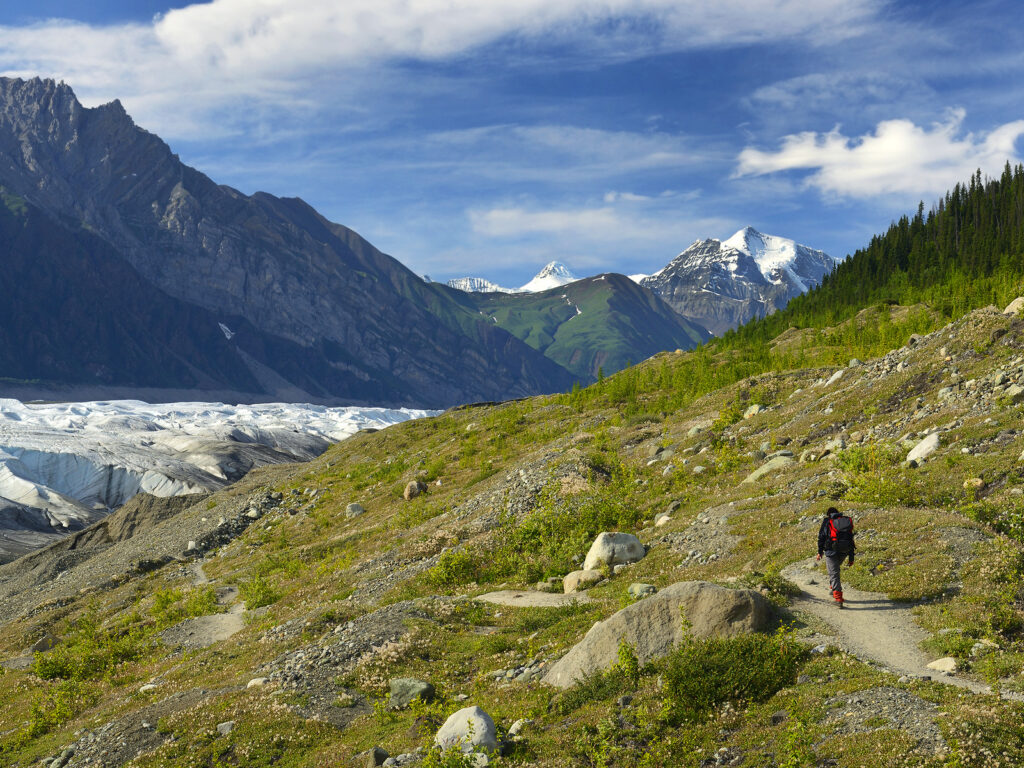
x=64, y=466
x=477, y=285
x=553, y=275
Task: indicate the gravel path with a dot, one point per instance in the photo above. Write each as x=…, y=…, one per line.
x=530, y=599
x=871, y=626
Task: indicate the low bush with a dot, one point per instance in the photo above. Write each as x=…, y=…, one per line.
x=702, y=674
x=258, y=592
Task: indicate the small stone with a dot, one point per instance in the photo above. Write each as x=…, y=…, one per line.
x=226, y=727
x=946, y=664
x=371, y=758
x=517, y=727
x=752, y=411
x=638, y=590
x=780, y=717
x=354, y=509
x=148, y=688
x=256, y=682
x=466, y=730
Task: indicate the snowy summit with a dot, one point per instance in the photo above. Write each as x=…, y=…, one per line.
x=554, y=275
x=724, y=283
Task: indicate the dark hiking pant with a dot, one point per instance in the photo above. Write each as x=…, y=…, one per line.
x=832, y=563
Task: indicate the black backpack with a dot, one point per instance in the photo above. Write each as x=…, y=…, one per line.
x=840, y=533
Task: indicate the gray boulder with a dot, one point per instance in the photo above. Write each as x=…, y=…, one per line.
x=768, y=467
x=467, y=730
x=1015, y=307
x=354, y=509
x=371, y=758
x=414, y=489
x=655, y=624
x=405, y=690
x=577, y=580
x=925, y=448
x=613, y=548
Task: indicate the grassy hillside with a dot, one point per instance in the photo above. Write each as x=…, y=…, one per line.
x=336, y=606
x=597, y=325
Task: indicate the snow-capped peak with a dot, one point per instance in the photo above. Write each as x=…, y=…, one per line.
x=477, y=285
x=553, y=275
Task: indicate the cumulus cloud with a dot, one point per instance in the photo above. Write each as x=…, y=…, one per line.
x=898, y=158
x=273, y=49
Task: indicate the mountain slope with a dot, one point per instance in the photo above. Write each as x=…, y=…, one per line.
x=312, y=290
x=723, y=284
x=336, y=607
x=476, y=285
x=596, y=324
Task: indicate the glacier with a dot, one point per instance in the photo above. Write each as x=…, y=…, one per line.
x=63, y=466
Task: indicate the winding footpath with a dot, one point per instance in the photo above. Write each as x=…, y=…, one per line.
x=871, y=626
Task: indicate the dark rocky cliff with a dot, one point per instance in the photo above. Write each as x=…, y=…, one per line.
x=350, y=320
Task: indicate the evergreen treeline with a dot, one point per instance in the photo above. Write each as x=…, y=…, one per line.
x=967, y=252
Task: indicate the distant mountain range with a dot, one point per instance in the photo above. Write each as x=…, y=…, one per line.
x=130, y=275
x=551, y=276
x=714, y=284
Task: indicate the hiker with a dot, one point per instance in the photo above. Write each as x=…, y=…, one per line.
x=835, y=542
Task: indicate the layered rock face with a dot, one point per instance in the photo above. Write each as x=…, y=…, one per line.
x=723, y=284
x=275, y=266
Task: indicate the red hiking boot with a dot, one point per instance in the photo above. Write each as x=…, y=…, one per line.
x=838, y=595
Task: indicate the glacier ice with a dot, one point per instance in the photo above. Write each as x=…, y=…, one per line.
x=64, y=466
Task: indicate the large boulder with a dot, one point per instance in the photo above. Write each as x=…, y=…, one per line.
x=655, y=624
x=925, y=448
x=1015, y=307
x=612, y=549
x=579, y=580
x=405, y=690
x=468, y=730
x=773, y=464
x=414, y=489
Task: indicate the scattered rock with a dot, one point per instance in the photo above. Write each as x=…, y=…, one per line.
x=226, y=727
x=256, y=682
x=414, y=489
x=578, y=580
x=780, y=717
x=613, y=548
x=405, y=690
x=752, y=411
x=653, y=625
x=550, y=584
x=468, y=730
x=354, y=509
x=148, y=688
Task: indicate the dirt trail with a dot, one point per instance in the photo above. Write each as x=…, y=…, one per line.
x=871, y=626
x=204, y=631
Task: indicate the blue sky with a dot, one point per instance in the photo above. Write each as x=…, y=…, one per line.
x=487, y=137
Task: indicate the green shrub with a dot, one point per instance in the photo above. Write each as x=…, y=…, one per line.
x=258, y=592
x=454, y=567
x=702, y=674
x=91, y=652
x=172, y=605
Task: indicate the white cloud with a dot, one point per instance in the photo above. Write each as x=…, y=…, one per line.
x=274, y=50
x=898, y=158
